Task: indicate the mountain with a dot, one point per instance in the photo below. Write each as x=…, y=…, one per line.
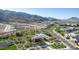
x=73, y=18
x=52, y=19
x=6, y=16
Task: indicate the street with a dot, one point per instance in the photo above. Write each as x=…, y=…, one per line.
x=64, y=40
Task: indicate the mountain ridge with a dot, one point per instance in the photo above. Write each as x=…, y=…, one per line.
x=73, y=18
x=6, y=15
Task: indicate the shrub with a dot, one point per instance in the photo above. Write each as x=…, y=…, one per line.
x=67, y=37
x=19, y=34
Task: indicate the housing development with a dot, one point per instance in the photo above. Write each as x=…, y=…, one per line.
x=38, y=33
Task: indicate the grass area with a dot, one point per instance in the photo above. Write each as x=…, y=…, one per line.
x=61, y=31
x=13, y=47
x=58, y=46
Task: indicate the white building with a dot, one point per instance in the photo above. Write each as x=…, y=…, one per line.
x=6, y=28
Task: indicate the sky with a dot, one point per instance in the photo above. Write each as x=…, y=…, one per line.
x=60, y=13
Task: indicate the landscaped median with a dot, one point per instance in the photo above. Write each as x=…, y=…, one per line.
x=58, y=46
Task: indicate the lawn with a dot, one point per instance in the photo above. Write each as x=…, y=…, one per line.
x=12, y=47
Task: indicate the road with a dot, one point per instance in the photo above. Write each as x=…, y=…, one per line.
x=64, y=40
